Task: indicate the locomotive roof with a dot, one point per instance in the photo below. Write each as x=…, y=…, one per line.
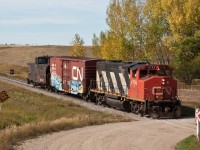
x=125, y=65
x=138, y=65
x=75, y=58
x=135, y=65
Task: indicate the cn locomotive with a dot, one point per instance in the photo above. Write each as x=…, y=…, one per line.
x=138, y=87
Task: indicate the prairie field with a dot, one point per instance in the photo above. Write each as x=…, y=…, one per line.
x=21, y=55
x=26, y=114
x=17, y=57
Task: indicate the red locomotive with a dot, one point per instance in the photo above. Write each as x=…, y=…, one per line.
x=147, y=89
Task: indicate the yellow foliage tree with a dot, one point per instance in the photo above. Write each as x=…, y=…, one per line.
x=123, y=40
x=78, y=49
x=183, y=17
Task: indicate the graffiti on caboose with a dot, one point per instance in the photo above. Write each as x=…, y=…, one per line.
x=75, y=84
x=76, y=87
x=56, y=80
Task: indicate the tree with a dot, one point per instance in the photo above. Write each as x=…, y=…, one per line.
x=183, y=17
x=124, y=39
x=78, y=49
x=157, y=33
x=188, y=56
x=96, y=46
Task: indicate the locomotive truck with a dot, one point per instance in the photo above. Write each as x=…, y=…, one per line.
x=139, y=87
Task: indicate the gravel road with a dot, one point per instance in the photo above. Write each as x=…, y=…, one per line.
x=139, y=135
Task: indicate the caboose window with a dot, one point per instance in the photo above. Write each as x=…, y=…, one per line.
x=42, y=61
x=143, y=73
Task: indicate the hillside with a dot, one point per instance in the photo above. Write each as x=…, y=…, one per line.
x=21, y=55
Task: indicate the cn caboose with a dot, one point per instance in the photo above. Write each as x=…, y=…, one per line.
x=39, y=72
x=140, y=87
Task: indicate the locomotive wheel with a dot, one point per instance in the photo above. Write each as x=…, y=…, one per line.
x=28, y=81
x=34, y=84
x=141, y=113
x=155, y=115
x=177, y=113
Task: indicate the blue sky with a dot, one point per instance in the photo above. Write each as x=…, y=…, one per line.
x=53, y=22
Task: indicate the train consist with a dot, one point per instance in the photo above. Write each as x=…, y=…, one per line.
x=139, y=87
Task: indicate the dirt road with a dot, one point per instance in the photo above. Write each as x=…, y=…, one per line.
x=144, y=134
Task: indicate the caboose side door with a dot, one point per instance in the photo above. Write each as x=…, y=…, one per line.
x=66, y=75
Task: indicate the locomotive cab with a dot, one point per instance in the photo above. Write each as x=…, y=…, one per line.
x=154, y=85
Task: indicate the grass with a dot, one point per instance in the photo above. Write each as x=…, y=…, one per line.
x=26, y=114
x=20, y=72
x=190, y=143
x=194, y=86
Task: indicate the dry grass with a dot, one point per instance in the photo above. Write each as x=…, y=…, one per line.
x=20, y=72
x=17, y=57
x=189, y=95
x=26, y=115
x=21, y=55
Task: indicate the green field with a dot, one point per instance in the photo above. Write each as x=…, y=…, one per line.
x=190, y=143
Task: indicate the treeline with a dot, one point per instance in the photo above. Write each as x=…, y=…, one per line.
x=158, y=31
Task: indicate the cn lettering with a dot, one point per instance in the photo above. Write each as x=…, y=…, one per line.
x=156, y=88
x=77, y=73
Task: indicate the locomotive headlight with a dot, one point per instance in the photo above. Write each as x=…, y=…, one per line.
x=163, y=81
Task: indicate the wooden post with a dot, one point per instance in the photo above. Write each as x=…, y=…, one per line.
x=197, y=118
x=3, y=97
x=0, y=106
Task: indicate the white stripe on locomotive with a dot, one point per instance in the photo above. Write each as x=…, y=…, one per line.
x=106, y=81
x=123, y=81
x=114, y=81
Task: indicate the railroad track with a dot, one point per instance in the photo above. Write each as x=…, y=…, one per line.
x=71, y=98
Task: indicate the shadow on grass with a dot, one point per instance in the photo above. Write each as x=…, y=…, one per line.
x=188, y=112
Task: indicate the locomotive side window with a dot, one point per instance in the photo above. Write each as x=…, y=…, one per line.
x=152, y=72
x=161, y=72
x=134, y=73
x=169, y=72
x=143, y=73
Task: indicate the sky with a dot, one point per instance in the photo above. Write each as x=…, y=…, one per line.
x=51, y=22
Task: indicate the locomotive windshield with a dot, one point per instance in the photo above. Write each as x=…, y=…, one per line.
x=155, y=70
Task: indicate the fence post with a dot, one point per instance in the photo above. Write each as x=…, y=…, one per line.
x=197, y=119
x=0, y=106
